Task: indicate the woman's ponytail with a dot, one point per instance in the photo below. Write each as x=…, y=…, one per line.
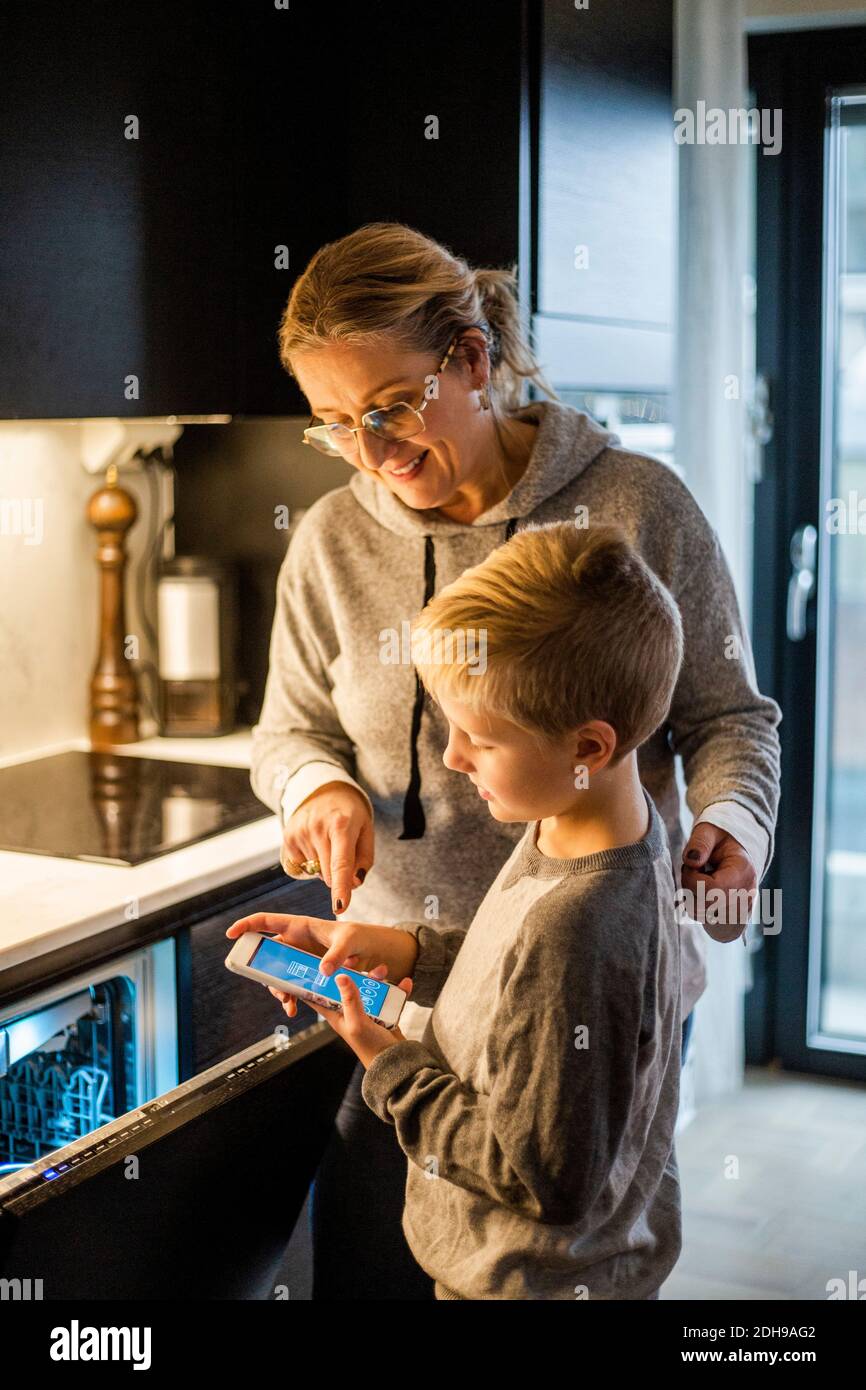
x=511, y=359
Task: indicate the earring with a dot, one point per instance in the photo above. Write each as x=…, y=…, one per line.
x=484, y=396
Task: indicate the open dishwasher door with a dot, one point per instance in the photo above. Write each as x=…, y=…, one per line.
x=77, y=1055
x=192, y=1196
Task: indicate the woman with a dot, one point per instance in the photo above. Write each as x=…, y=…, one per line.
x=414, y=366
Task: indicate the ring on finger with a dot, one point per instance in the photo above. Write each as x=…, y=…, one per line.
x=290, y=866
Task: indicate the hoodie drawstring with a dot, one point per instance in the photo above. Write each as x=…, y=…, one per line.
x=414, y=820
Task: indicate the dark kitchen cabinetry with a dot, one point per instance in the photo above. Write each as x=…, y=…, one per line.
x=555, y=132
x=116, y=253
x=335, y=134
x=264, y=132
x=157, y=258
x=219, y=1013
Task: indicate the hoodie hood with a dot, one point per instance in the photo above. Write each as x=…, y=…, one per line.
x=566, y=442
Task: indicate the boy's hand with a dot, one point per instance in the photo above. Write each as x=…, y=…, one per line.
x=356, y=944
x=366, y=1038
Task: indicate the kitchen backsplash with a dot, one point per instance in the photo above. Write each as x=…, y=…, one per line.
x=50, y=584
x=239, y=490
x=235, y=485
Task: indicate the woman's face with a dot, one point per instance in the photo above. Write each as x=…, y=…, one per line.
x=342, y=382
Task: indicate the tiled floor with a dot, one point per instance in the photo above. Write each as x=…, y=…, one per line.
x=774, y=1197
x=794, y=1217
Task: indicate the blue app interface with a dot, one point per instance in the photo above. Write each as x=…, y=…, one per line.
x=287, y=963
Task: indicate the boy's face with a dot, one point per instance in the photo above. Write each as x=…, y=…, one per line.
x=522, y=777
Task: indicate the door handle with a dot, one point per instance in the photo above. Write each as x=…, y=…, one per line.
x=801, y=585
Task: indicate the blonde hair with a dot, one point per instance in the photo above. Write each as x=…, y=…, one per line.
x=387, y=278
x=578, y=627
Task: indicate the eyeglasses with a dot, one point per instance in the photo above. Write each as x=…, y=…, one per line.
x=398, y=421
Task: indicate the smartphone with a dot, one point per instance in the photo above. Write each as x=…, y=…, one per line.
x=297, y=972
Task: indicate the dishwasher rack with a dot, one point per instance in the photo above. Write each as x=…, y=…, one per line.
x=71, y=1082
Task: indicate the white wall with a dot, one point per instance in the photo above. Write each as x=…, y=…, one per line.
x=50, y=585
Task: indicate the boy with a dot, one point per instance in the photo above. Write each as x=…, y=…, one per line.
x=538, y=1112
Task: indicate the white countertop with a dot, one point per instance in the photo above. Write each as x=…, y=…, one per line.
x=45, y=902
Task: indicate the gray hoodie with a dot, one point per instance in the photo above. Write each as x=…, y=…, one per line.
x=361, y=564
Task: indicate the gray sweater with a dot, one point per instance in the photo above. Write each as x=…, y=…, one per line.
x=538, y=1112
x=361, y=563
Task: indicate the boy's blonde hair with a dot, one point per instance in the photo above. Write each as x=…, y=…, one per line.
x=578, y=627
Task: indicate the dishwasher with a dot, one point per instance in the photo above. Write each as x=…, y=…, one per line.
x=79, y=1054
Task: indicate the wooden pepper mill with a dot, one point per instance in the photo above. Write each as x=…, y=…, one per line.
x=114, y=699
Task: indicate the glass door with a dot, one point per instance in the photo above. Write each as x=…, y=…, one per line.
x=808, y=1007
x=837, y=965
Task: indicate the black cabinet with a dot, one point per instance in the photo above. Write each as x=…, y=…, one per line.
x=116, y=176
x=220, y=1013
x=154, y=160
x=339, y=107
x=147, y=275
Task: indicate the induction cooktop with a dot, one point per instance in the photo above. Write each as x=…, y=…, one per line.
x=115, y=808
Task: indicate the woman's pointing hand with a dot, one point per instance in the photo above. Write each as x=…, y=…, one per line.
x=335, y=826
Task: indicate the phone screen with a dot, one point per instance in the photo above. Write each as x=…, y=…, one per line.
x=288, y=963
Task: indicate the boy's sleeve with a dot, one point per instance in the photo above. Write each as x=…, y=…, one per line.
x=543, y=1141
x=437, y=952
